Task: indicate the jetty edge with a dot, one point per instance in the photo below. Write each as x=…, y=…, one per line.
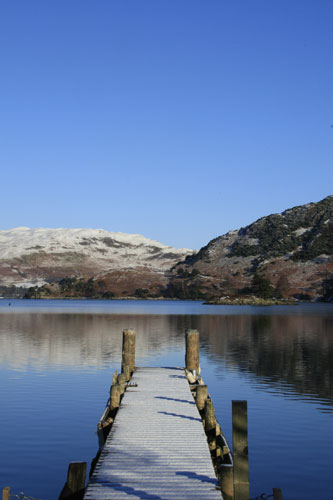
x=166, y=442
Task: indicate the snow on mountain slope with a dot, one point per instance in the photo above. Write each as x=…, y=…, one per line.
x=38, y=252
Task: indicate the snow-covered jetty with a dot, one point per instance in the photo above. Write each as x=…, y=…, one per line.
x=159, y=438
x=157, y=448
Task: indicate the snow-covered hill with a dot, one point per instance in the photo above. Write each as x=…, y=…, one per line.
x=31, y=257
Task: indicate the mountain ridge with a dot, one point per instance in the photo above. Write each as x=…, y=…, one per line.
x=290, y=253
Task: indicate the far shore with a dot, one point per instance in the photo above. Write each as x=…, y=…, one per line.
x=252, y=301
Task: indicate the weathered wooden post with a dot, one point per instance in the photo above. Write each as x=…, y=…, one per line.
x=192, y=350
x=210, y=424
x=114, y=396
x=76, y=479
x=277, y=494
x=122, y=379
x=201, y=396
x=227, y=481
x=6, y=493
x=127, y=372
x=128, y=353
x=240, y=449
x=115, y=377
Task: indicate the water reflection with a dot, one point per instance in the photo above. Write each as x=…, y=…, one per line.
x=44, y=340
x=292, y=352
x=296, y=351
x=56, y=369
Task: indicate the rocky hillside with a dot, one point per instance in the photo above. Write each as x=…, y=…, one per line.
x=287, y=255
x=290, y=252
x=83, y=262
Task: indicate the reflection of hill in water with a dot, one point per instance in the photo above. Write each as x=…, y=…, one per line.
x=82, y=339
x=297, y=350
x=293, y=350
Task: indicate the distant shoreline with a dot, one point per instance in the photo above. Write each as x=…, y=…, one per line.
x=224, y=301
x=252, y=301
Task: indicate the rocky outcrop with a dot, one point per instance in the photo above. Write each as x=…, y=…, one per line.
x=293, y=250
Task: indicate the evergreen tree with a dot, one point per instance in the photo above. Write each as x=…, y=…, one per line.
x=262, y=287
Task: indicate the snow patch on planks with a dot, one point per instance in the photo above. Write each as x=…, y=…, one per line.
x=157, y=448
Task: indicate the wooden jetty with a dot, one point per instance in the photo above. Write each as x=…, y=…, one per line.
x=159, y=438
x=157, y=447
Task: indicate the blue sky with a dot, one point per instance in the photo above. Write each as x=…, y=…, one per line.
x=175, y=119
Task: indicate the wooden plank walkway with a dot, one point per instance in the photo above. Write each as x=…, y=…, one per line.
x=157, y=448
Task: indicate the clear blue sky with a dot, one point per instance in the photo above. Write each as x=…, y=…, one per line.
x=176, y=119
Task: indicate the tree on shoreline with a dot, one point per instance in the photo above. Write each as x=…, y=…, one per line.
x=262, y=287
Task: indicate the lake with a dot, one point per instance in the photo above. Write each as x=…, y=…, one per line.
x=57, y=360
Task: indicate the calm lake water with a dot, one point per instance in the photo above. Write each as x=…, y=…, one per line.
x=57, y=360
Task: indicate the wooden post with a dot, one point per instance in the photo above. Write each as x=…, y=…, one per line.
x=192, y=350
x=100, y=436
x=128, y=354
x=227, y=482
x=6, y=493
x=122, y=379
x=277, y=494
x=76, y=476
x=210, y=420
x=76, y=479
x=201, y=396
x=210, y=424
x=127, y=372
x=114, y=396
x=114, y=377
x=240, y=448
